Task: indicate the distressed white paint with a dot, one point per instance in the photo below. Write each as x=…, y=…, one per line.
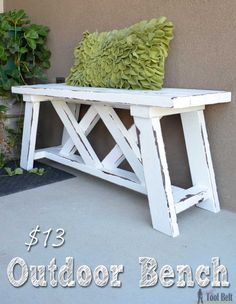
x=143, y=111
x=116, y=156
x=142, y=145
x=186, y=198
x=89, y=120
x=126, y=142
x=157, y=177
x=29, y=135
x=166, y=98
x=75, y=109
x=79, y=139
x=86, y=124
x=199, y=156
x=116, y=176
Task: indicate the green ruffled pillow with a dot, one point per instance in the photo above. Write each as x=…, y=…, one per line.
x=130, y=58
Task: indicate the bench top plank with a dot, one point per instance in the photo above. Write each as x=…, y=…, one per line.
x=164, y=98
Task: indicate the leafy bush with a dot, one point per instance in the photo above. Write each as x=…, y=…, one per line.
x=24, y=56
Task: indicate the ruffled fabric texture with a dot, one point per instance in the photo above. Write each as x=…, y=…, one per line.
x=130, y=58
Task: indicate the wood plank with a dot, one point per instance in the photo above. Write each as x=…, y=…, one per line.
x=89, y=120
x=142, y=111
x=35, y=98
x=182, y=194
x=123, y=139
x=41, y=153
x=186, y=198
x=75, y=109
x=111, y=119
x=115, y=157
x=48, y=152
x=81, y=135
x=190, y=201
x=157, y=177
x=68, y=147
x=166, y=97
x=29, y=135
x=86, y=124
x=71, y=126
x=199, y=156
x=117, y=176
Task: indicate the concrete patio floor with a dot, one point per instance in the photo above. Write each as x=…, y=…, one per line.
x=106, y=224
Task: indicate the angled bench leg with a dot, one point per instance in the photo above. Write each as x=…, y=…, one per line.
x=75, y=109
x=157, y=179
x=29, y=135
x=32, y=105
x=199, y=157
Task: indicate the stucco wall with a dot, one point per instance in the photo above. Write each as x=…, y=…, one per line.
x=202, y=55
x=1, y=6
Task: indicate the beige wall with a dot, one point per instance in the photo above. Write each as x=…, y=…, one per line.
x=1, y=6
x=202, y=55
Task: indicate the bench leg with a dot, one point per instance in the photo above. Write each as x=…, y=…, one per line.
x=156, y=174
x=29, y=135
x=199, y=157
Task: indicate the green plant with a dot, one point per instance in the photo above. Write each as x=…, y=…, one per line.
x=2, y=160
x=19, y=171
x=38, y=171
x=14, y=136
x=3, y=110
x=24, y=56
x=12, y=172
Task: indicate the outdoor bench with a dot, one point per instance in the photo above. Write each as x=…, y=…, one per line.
x=141, y=145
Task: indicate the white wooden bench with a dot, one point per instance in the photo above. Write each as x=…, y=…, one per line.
x=142, y=145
